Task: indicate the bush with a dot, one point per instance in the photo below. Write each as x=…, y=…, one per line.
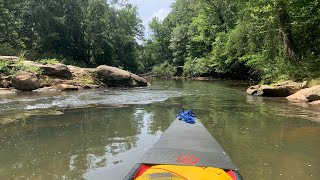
x=4, y=66
x=22, y=66
x=197, y=67
x=165, y=70
x=7, y=50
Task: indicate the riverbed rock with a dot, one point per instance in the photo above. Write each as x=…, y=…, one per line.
x=67, y=87
x=47, y=89
x=292, y=86
x=114, y=77
x=7, y=90
x=140, y=80
x=315, y=103
x=89, y=86
x=58, y=70
x=269, y=91
x=306, y=95
x=83, y=75
x=9, y=58
x=25, y=81
x=5, y=81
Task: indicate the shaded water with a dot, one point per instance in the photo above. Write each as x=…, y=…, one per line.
x=266, y=138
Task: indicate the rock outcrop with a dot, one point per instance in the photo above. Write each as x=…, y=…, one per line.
x=269, y=91
x=283, y=89
x=115, y=77
x=65, y=77
x=292, y=86
x=58, y=70
x=306, y=95
x=25, y=81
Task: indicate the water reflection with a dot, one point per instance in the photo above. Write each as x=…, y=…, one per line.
x=73, y=143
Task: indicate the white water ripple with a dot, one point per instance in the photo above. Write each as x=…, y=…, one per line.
x=83, y=98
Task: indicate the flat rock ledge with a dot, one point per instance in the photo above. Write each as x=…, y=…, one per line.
x=283, y=89
x=311, y=94
x=293, y=91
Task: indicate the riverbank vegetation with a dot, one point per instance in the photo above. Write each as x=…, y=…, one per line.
x=269, y=40
x=81, y=32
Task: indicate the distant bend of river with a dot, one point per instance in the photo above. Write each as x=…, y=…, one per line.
x=101, y=134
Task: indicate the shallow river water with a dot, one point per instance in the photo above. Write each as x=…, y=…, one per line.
x=101, y=134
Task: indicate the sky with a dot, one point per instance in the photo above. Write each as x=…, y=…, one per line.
x=152, y=8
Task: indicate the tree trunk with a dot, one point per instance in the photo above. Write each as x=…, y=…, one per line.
x=285, y=32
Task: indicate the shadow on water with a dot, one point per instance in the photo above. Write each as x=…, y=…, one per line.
x=266, y=138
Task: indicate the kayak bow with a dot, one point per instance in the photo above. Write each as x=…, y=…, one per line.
x=185, y=151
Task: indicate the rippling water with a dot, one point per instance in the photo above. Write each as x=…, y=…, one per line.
x=102, y=134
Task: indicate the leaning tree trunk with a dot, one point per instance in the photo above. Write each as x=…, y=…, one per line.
x=285, y=32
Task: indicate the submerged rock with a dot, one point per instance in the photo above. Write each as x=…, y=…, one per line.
x=306, y=95
x=114, y=77
x=25, y=81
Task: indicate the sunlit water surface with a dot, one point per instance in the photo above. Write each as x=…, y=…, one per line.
x=102, y=134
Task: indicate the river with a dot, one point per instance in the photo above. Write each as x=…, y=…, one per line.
x=101, y=134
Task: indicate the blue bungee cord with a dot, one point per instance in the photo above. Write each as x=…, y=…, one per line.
x=187, y=116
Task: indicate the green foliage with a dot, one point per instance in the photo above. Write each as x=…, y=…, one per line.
x=7, y=50
x=196, y=67
x=21, y=65
x=87, y=32
x=165, y=70
x=4, y=66
x=49, y=61
x=270, y=40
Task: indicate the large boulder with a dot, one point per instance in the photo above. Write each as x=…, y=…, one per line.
x=269, y=91
x=58, y=70
x=306, y=95
x=292, y=86
x=25, y=81
x=113, y=76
